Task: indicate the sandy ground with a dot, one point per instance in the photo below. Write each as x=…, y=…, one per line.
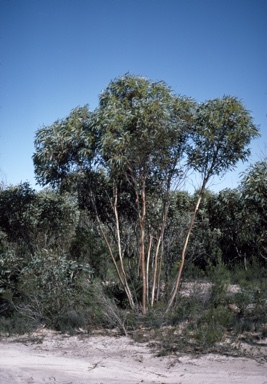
x=54, y=358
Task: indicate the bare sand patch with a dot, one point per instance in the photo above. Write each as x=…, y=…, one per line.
x=50, y=357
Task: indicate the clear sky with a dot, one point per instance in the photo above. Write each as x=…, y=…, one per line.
x=58, y=54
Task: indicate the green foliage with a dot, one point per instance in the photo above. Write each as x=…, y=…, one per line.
x=239, y=217
x=10, y=268
x=43, y=290
x=254, y=185
x=220, y=278
x=17, y=324
x=30, y=223
x=88, y=247
x=254, y=195
x=226, y=215
x=63, y=148
x=212, y=326
x=34, y=220
x=143, y=128
x=222, y=132
x=57, y=216
x=47, y=285
x=17, y=213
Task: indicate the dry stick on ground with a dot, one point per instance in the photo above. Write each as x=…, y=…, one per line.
x=112, y=313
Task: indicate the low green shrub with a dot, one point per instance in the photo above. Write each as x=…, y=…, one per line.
x=16, y=324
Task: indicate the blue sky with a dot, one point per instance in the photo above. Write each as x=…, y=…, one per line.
x=58, y=54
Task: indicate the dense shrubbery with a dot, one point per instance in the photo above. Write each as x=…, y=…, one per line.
x=56, y=270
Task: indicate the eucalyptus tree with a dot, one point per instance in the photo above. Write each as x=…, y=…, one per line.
x=222, y=131
x=133, y=146
x=126, y=156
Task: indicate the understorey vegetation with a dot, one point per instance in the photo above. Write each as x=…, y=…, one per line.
x=115, y=241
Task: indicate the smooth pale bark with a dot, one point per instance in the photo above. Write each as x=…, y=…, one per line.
x=148, y=264
x=157, y=271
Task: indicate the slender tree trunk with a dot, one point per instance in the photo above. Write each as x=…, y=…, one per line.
x=178, y=279
x=156, y=275
x=159, y=271
x=155, y=269
x=142, y=248
x=148, y=263
x=125, y=284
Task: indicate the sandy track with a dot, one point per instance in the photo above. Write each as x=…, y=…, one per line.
x=110, y=360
